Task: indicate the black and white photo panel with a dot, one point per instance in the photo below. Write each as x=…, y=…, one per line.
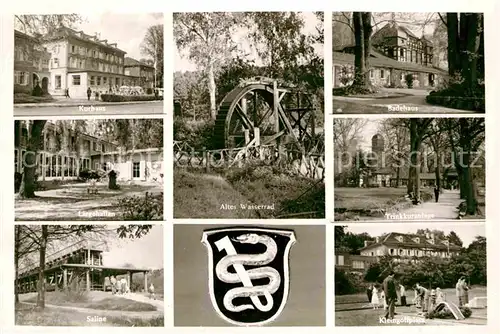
x=89, y=275
x=249, y=140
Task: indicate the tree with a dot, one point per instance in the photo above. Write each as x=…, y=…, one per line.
x=398, y=149
x=152, y=46
x=453, y=238
x=346, y=133
x=42, y=24
x=23, y=246
x=208, y=39
x=362, y=34
x=29, y=160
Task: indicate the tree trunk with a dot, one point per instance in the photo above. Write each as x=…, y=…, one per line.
x=398, y=172
x=211, y=90
x=437, y=170
x=472, y=42
x=40, y=300
x=453, y=44
x=17, y=244
x=27, y=188
x=362, y=35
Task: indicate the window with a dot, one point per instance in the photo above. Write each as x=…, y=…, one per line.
x=56, y=62
x=381, y=74
x=136, y=170
x=57, y=80
x=21, y=78
x=104, y=80
x=16, y=161
x=105, y=166
x=72, y=49
x=371, y=73
x=400, y=238
x=92, y=80
x=98, y=81
x=391, y=251
x=340, y=261
x=102, y=148
x=417, y=240
x=117, y=82
x=358, y=264
x=76, y=80
x=401, y=52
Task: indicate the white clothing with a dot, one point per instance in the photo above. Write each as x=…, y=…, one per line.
x=375, y=299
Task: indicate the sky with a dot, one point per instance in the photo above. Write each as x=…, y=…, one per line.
x=127, y=30
x=369, y=130
x=466, y=232
x=146, y=252
x=183, y=64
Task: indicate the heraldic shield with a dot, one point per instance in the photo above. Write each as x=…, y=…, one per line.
x=248, y=273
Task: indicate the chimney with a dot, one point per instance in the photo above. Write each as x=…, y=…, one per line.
x=366, y=243
x=427, y=235
x=377, y=240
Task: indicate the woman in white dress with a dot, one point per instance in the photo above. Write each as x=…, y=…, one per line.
x=383, y=301
x=375, y=299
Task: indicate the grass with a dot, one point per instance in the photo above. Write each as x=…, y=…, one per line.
x=27, y=315
x=26, y=98
x=351, y=310
x=87, y=301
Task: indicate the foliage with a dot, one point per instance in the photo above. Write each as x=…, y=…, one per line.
x=87, y=174
x=351, y=242
x=190, y=91
x=129, y=98
x=197, y=134
x=42, y=24
x=17, y=181
x=152, y=46
x=409, y=80
x=149, y=207
x=347, y=283
x=28, y=98
x=459, y=96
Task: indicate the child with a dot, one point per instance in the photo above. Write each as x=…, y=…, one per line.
x=440, y=296
x=383, y=300
x=152, y=291
x=375, y=299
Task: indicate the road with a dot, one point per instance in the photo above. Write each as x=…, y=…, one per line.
x=146, y=108
x=412, y=102
x=445, y=209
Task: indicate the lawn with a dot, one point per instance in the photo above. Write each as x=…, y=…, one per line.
x=28, y=315
x=95, y=300
x=25, y=98
x=354, y=310
x=71, y=201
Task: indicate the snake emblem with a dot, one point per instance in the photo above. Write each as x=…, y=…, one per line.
x=244, y=276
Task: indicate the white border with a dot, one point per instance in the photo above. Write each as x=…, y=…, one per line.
x=286, y=270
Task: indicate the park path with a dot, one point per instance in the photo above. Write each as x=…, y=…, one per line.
x=446, y=208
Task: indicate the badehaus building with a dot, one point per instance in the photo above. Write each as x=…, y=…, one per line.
x=64, y=153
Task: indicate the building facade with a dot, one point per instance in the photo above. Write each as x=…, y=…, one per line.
x=65, y=153
x=396, y=52
x=400, y=246
x=139, y=74
x=79, y=61
x=31, y=64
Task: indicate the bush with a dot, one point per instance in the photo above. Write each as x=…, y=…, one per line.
x=17, y=181
x=20, y=89
x=457, y=96
x=87, y=174
x=197, y=134
x=409, y=80
x=28, y=98
x=149, y=91
x=129, y=98
x=149, y=207
x=346, y=283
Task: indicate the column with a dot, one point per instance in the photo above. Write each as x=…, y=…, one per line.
x=145, y=281
x=65, y=278
x=129, y=279
x=87, y=279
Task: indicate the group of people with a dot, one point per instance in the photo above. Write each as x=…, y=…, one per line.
x=425, y=299
x=119, y=286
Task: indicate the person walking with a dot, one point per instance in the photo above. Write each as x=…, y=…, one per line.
x=390, y=295
x=436, y=193
x=466, y=291
x=369, y=293
x=66, y=94
x=402, y=294
x=96, y=95
x=89, y=93
x=459, y=288
x=152, y=291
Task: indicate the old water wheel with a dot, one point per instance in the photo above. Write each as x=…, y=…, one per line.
x=281, y=114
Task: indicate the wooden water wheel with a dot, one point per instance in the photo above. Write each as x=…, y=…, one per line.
x=281, y=115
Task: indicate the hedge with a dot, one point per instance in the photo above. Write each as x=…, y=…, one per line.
x=128, y=98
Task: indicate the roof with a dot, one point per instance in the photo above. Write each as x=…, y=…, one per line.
x=379, y=60
x=65, y=32
x=408, y=241
x=133, y=62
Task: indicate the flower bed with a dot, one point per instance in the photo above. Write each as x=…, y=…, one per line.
x=129, y=98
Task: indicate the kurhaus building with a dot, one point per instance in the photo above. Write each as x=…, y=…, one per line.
x=65, y=153
x=402, y=247
x=66, y=59
x=396, y=52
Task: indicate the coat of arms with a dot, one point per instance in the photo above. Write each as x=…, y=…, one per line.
x=248, y=273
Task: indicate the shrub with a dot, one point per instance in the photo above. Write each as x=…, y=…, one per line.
x=347, y=283
x=27, y=98
x=409, y=80
x=445, y=313
x=149, y=91
x=129, y=98
x=149, y=207
x=87, y=174
x=20, y=89
x=197, y=134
